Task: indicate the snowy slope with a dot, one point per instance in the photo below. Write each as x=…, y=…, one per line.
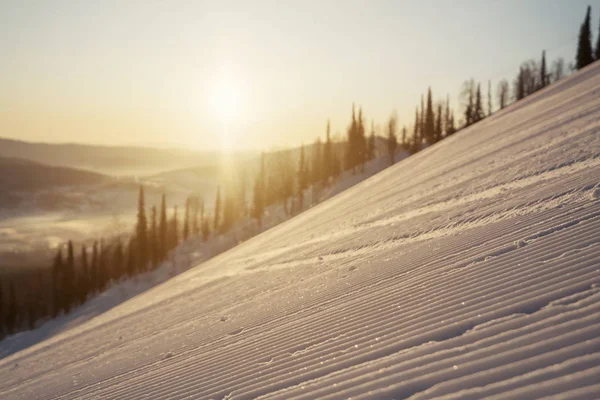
x=470, y=270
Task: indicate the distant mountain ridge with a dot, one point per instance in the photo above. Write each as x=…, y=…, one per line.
x=119, y=160
x=17, y=174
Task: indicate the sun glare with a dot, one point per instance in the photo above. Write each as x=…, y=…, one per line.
x=227, y=101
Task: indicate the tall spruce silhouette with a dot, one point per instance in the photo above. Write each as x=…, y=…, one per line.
x=217, y=209
x=84, y=275
x=69, y=279
x=163, y=229
x=429, y=119
x=597, y=52
x=392, y=141
x=543, y=71
x=142, y=232
x=186, y=220
x=153, y=239
x=584, y=44
x=2, y=312
x=57, y=282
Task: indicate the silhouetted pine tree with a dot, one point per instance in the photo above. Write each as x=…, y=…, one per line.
x=118, y=262
x=391, y=139
x=195, y=222
x=502, y=93
x=84, y=275
x=316, y=171
x=520, y=85
x=489, y=93
x=584, y=45
x=438, y=124
x=259, y=193
x=103, y=267
x=597, y=53
x=429, y=120
x=186, y=220
x=2, y=313
x=371, y=143
x=422, y=129
x=94, y=275
x=328, y=155
x=174, y=231
x=352, y=145
x=11, y=311
x=162, y=230
x=543, y=71
x=416, y=133
x=217, y=210
x=404, y=139
x=57, y=282
x=69, y=279
x=142, y=232
x=478, y=113
x=362, y=141
x=153, y=238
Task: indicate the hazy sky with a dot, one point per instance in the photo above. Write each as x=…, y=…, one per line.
x=262, y=74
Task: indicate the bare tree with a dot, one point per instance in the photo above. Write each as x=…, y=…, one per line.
x=502, y=93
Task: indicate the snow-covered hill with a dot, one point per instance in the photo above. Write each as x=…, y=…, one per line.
x=470, y=270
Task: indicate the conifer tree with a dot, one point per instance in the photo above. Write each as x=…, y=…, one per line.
x=186, y=219
x=162, y=230
x=429, y=120
x=11, y=311
x=597, y=53
x=2, y=313
x=438, y=124
x=391, y=139
x=302, y=170
x=258, y=205
x=489, y=93
x=478, y=114
x=195, y=223
x=174, y=232
x=93, y=279
x=422, y=129
x=520, y=85
x=69, y=279
x=153, y=239
x=584, y=45
x=103, y=267
x=371, y=143
x=362, y=141
x=502, y=93
x=352, y=147
x=57, y=282
x=543, y=72
x=404, y=144
x=316, y=169
x=142, y=232
x=416, y=135
x=328, y=154
x=217, y=210
x=84, y=274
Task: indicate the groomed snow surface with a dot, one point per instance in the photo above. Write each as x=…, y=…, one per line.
x=470, y=270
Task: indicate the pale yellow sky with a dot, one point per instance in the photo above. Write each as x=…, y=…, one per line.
x=251, y=74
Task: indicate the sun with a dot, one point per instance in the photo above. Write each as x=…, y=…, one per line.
x=226, y=101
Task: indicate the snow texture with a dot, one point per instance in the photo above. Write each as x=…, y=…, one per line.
x=470, y=270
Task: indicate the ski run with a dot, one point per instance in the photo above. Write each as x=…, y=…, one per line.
x=469, y=270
